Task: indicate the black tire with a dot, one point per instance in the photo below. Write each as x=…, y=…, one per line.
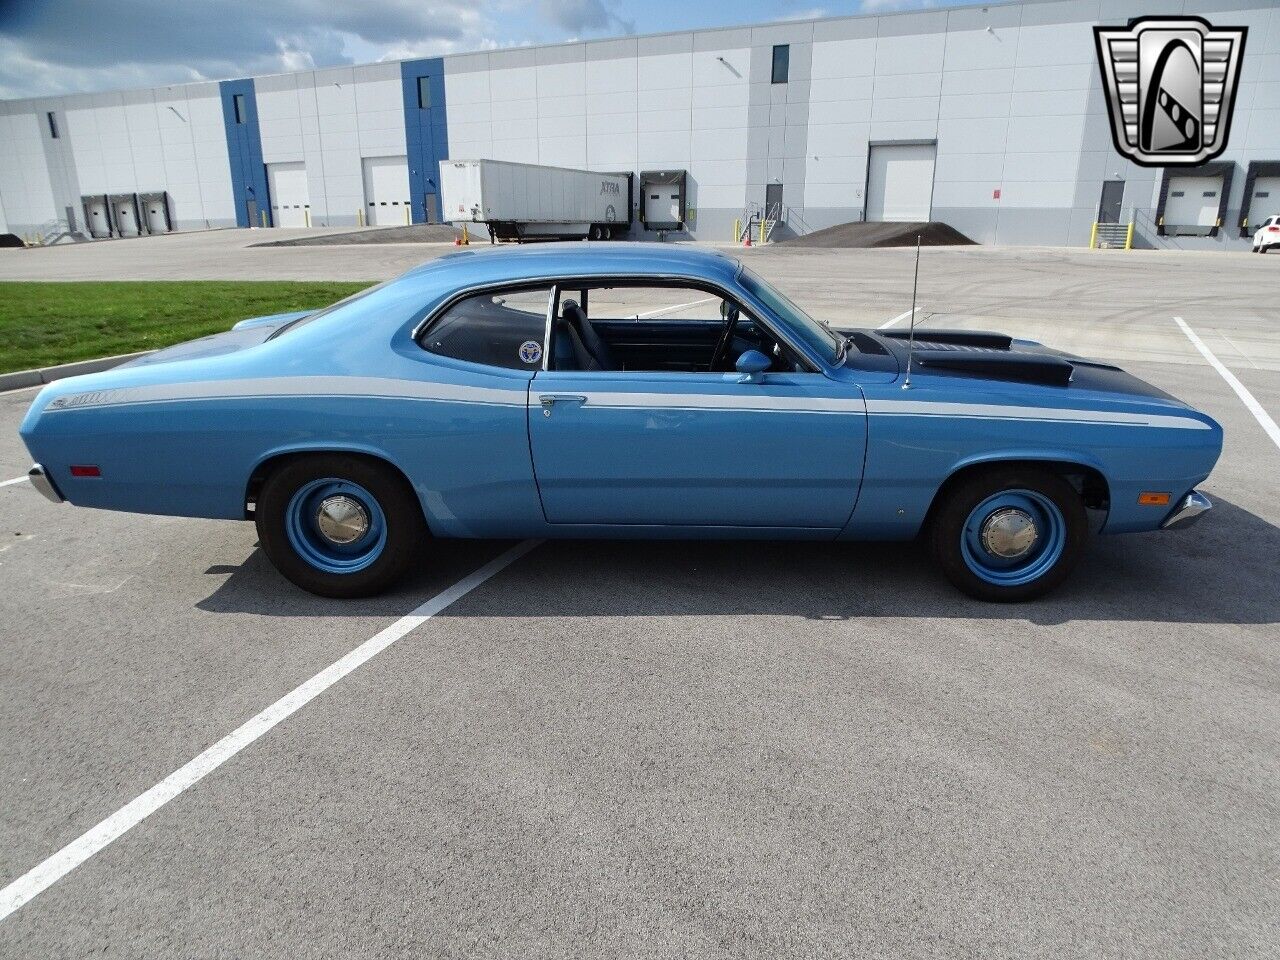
x=947, y=531
x=401, y=518
x=594, y=233
x=608, y=233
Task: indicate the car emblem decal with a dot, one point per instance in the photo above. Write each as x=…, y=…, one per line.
x=1171, y=87
x=531, y=351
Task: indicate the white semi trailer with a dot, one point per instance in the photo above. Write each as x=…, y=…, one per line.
x=521, y=201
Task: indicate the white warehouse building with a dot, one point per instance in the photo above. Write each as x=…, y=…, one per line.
x=990, y=118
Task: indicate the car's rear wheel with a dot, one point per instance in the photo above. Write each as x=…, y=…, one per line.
x=1009, y=533
x=339, y=525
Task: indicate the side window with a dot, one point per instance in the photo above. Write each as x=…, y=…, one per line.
x=503, y=329
x=657, y=328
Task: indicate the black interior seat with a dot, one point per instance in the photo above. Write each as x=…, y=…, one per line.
x=577, y=318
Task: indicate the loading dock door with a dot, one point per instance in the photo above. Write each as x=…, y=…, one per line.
x=290, y=198
x=900, y=181
x=386, y=190
x=1266, y=199
x=662, y=203
x=1193, y=201
x=97, y=219
x=126, y=216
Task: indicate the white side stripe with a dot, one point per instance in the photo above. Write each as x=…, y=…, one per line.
x=710, y=401
x=370, y=387
x=1259, y=414
x=9, y=483
x=995, y=411
x=44, y=875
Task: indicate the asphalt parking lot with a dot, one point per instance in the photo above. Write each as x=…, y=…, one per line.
x=673, y=750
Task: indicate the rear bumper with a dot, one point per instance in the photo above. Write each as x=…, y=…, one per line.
x=1193, y=506
x=40, y=480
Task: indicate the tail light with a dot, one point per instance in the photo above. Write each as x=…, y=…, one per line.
x=85, y=470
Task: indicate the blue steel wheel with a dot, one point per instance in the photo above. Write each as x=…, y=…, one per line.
x=1013, y=537
x=1008, y=533
x=339, y=525
x=335, y=525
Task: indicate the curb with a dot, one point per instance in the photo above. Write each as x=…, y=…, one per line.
x=33, y=378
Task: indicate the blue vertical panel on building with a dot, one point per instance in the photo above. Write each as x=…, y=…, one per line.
x=426, y=131
x=244, y=150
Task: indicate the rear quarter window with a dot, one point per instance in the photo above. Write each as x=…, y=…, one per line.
x=504, y=329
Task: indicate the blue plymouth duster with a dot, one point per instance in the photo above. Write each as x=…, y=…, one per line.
x=507, y=393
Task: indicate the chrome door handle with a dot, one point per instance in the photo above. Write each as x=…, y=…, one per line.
x=549, y=400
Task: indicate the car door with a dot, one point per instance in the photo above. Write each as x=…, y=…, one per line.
x=696, y=449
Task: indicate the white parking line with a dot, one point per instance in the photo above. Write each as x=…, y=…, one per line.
x=899, y=318
x=43, y=876
x=1242, y=392
x=678, y=306
x=9, y=483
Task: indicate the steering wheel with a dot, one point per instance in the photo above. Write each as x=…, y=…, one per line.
x=731, y=321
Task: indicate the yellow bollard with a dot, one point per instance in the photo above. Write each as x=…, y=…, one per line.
x=737, y=229
x=1093, y=237
x=407, y=221
x=307, y=215
x=761, y=231
x=466, y=237
x=264, y=218
x=1128, y=237
x=360, y=216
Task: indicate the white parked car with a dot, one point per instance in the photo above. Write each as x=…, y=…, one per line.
x=1267, y=235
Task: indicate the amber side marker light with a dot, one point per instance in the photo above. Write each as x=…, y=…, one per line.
x=1149, y=499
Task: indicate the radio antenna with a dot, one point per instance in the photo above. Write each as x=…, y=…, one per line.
x=911, y=336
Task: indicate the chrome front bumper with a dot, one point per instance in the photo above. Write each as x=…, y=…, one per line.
x=40, y=480
x=1193, y=506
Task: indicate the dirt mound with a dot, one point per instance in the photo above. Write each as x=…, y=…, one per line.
x=931, y=233
x=417, y=233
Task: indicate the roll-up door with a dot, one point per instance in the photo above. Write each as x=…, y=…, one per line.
x=900, y=181
x=290, y=197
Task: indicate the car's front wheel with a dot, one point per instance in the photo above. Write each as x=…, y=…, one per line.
x=339, y=525
x=1009, y=533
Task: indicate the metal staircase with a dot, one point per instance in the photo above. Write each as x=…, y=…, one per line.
x=758, y=222
x=1112, y=236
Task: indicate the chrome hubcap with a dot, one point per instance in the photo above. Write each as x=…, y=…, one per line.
x=342, y=520
x=1009, y=533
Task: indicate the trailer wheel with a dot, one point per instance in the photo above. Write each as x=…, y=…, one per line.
x=608, y=233
x=594, y=233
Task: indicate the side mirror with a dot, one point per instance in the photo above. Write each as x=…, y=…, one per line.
x=752, y=364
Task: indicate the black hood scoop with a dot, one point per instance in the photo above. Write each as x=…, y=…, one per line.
x=980, y=339
x=982, y=354
x=1027, y=368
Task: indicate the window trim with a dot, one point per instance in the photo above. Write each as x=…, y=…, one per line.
x=773, y=64
x=427, y=81
x=758, y=311
x=238, y=107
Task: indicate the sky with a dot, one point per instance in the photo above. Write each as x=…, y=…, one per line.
x=80, y=46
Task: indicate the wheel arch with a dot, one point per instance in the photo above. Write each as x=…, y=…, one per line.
x=277, y=458
x=1087, y=477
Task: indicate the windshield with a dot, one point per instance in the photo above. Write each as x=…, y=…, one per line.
x=817, y=335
